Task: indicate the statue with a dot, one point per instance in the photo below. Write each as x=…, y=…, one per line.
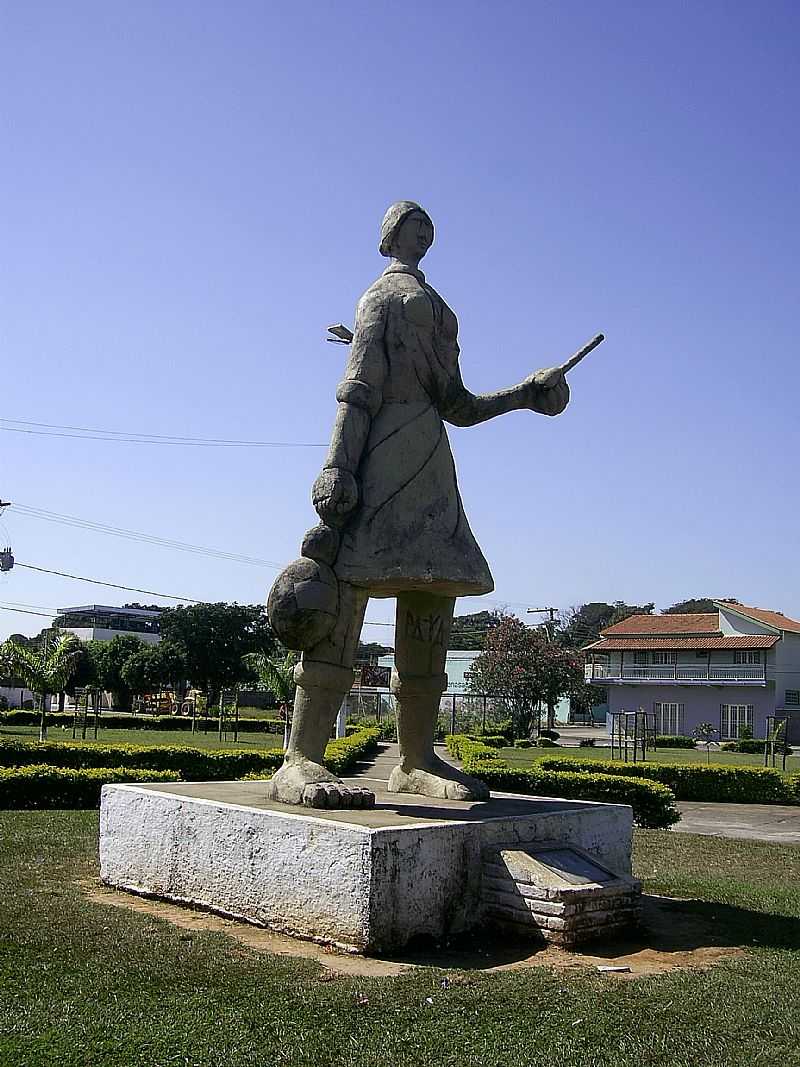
x=392, y=525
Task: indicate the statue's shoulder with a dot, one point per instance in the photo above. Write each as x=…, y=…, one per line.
x=379, y=296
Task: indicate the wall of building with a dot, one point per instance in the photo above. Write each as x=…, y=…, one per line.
x=701, y=703
x=101, y=633
x=731, y=624
x=785, y=667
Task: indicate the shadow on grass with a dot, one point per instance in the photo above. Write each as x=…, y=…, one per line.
x=670, y=928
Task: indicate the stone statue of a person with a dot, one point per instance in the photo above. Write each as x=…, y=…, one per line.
x=393, y=524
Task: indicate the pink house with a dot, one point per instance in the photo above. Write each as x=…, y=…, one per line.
x=732, y=667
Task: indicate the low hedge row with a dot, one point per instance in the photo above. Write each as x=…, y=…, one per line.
x=111, y=720
x=653, y=804
x=191, y=764
x=41, y=786
x=735, y=785
x=674, y=741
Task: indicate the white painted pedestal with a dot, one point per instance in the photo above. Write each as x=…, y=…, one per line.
x=366, y=881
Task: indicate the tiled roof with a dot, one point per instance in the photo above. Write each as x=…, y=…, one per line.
x=681, y=644
x=771, y=618
x=664, y=624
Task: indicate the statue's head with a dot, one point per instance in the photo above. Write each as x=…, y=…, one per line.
x=406, y=231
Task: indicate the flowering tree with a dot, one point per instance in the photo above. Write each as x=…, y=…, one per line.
x=522, y=668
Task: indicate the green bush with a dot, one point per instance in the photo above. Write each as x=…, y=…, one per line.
x=523, y=742
x=109, y=720
x=192, y=764
x=653, y=804
x=552, y=735
x=546, y=742
x=674, y=741
x=42, y=786
x=586, y=742
x=735, y=785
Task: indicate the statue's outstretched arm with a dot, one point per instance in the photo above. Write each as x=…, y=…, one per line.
x=546, y=391
x=360, y=393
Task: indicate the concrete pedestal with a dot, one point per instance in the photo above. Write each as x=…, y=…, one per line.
x=366, y=881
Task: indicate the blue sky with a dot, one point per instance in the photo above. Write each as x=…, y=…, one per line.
x=191, y=192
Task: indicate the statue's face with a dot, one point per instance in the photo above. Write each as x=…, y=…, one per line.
x=414, y=237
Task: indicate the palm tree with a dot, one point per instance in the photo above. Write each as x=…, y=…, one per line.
x=45, y=670
x=277, y=675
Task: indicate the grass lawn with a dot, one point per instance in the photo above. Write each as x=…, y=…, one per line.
x=152, y=737
x=87, y=984
x=523, y=757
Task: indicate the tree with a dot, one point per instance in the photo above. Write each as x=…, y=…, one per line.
x=581, y=625
x=469, y=631
x=586, y=696
x=110, y=658
x=155, y=667
x=276, y=674
x=697, y=605
x=521, y=667
x=45, y=670
x=213, y=640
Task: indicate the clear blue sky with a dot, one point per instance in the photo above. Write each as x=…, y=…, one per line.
x=191, y=192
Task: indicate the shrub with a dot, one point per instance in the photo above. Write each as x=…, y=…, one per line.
x=653, y=804
x=523, y=742
x=742, y=785
x=342, y=755
x=552, y=735
x=109, y=720
x=674, y=741
x=586, y=742
x=192, y=764
x=42, y=786
x=546, y=742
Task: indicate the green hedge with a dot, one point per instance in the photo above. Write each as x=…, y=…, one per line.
x=653, y=804
x=192, y=764
x=42, y=786
x=110, y=720
x=674, y=741
x=736, y=785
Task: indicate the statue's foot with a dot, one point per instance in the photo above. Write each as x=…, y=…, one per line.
x=437, y=779
x=303, y=782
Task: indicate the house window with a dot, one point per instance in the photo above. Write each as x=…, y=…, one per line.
x=793, y=698
x=747, y=657
x=669, y=718
x=733, y=718
x=641, y=659
x=665, y=657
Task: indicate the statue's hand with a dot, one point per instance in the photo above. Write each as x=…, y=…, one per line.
x=548, y=391
x=335, y=494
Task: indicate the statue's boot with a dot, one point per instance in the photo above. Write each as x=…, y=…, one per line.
x=303, y=779
x=420, y=770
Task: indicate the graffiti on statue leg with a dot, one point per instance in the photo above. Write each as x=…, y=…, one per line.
x=427, y=628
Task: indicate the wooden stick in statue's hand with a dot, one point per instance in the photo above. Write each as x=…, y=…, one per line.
x=553, y=377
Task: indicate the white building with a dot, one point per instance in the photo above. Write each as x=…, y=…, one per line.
x=100, y=622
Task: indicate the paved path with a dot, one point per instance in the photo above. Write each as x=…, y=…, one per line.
x=756, y=822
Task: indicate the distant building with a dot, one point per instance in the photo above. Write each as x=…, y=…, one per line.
x=732, y=667
x=100, y=622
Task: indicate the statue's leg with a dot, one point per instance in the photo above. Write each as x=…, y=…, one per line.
x=324, y=676
x=418, y=681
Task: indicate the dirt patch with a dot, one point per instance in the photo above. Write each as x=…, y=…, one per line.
x=672, y=938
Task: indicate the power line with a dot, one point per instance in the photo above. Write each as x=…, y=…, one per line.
x=142, y=538
x=134, y=437
x=111, y=585
x=24, y=611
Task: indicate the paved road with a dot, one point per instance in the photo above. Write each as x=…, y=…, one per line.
x=757, y=822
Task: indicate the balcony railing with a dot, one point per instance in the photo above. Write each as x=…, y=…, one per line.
x=678, y=672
